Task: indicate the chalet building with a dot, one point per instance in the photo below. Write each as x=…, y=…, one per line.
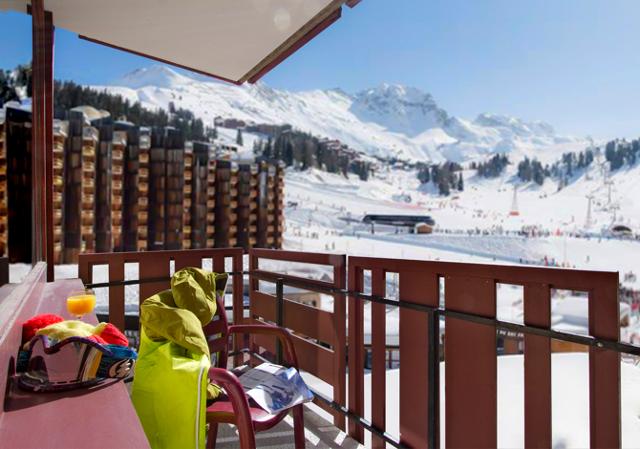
x=409, y=221
x=226, y=149
x=233, y=123
x=341, y=149
x=270, y=130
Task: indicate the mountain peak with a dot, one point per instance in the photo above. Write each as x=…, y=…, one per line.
x=399, y=108
x=518, y=126
x=155, y=75
x=398, y=91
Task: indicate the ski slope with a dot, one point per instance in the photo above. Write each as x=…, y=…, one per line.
x=329, y=206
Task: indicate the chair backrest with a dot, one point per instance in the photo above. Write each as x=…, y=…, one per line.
x=216, y=332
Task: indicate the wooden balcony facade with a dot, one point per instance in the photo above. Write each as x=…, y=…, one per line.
x=123, y=187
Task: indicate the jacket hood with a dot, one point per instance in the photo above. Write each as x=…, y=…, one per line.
x=195, y=289
x=179, y=314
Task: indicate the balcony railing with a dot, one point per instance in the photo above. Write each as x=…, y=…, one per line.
x=331, y=343
x=154, y=273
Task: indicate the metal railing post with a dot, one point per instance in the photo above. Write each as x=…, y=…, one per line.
x=433, y=374
x=279, y=315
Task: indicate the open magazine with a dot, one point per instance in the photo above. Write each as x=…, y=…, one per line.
x=274, y=387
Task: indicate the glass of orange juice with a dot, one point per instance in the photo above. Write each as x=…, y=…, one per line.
x=81, y=302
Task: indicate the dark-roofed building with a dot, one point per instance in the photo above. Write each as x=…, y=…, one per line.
x=398, y=220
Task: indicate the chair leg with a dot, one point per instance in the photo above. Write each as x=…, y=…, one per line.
x=298, y=426
x=239, y=403
x=212, y=435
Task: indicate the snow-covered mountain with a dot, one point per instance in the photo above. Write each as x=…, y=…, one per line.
x=157, y=75
x=387, y=121
x=399, y=109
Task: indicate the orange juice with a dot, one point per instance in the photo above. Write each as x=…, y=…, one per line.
x=81, y=304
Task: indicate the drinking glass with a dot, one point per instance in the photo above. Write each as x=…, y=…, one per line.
x=81, y=302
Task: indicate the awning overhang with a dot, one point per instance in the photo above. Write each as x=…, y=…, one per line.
x=232, y=40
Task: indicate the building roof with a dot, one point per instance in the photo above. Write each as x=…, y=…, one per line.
x=232, y=40
x=398, y=220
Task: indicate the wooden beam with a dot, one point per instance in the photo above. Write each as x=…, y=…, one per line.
x=37, y=167
x=48, y=120
x=42, y=146
x=293, y=44
x=155, y=58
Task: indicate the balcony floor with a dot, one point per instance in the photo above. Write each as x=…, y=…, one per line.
x=319, y=433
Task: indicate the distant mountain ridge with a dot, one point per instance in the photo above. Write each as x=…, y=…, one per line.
x=156, y=75
x=392, y=121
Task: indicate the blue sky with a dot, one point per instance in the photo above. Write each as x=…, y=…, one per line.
x=573, y=63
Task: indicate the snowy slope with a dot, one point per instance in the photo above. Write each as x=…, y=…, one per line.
x=326, y=210
x=385, y=121
x=484, y=204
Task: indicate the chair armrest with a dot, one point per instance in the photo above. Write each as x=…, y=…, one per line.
x=238, y=398
x=229, y=381
x=267, y=329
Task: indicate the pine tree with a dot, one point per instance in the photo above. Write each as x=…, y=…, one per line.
x=7, y=89
x=268, y=149
x=288, y=153
x=538, y=172
x=239, y=137
x=424, y=175
x=257, y=147
x=525, y=172
x=443, y=188
x=493, y=167
x=307, y=155
x=460, y=183
x=588, y=157
x=435, y=174
x=23, y=78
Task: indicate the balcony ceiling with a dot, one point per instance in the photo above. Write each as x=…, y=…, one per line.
x=235, y=40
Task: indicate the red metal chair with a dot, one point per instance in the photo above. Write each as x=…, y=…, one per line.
x=235, y=407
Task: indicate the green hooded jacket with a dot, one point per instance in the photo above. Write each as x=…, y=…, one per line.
x=170, y=386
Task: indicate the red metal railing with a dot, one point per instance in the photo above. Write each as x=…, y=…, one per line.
x=471, y=401
x=309, y=324
x=470, y=327
x=414, y=287
x=154, y=267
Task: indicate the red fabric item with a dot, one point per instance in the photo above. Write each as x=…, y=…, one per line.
x=113, y=336
x=97, y=339
x=33, y=325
